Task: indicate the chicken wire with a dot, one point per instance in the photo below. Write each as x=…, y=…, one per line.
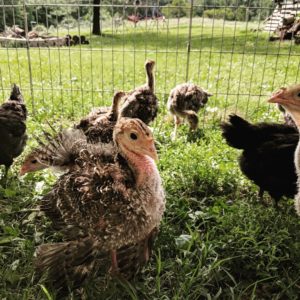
x=232, y=59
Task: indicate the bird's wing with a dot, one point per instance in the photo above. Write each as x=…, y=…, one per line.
x=89, y=200
x=12, y=125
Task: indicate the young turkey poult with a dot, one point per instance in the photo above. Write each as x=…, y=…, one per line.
x=13, y=114
x=184, y=102
x=289, y=98
x=142, y=103
x=268, y=154
x=102, y=207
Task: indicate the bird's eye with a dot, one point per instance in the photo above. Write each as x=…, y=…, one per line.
x=34, y=161
x=133, y=136
x=298, y=95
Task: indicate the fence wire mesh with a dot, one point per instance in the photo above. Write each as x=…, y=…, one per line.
x=219, y=45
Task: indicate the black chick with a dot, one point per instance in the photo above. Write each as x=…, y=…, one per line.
x=268, y=154
x=13, y=114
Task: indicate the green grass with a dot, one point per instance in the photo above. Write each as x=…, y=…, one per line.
x=216, y=241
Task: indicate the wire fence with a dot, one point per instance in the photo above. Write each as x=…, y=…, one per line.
x=222, y=48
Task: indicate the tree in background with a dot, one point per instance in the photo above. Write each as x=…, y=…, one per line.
x=96, y=18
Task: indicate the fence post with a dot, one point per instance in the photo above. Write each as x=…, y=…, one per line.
x=189, y=42
x=28, y=56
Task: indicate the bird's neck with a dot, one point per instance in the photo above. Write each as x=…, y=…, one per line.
x=150, y=79
x=295, y=114
x=142, y=166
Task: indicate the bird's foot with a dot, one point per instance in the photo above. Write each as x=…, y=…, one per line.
x=114, y=269
x=173, y=136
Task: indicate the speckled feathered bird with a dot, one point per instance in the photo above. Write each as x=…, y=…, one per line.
x=102, y=207
x=13, y=114
x=268, y=154
x=184, y=102
x=142, y=103
x=60, y=153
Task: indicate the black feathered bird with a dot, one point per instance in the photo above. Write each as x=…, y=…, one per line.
x=268, y=154
x=13, y=114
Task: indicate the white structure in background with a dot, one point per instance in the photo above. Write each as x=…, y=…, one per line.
x=283, y=11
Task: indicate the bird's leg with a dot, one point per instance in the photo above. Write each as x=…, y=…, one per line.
x=261, y=196
x=146, y=249
x=114, y=262
x=4, y=178
x=275, y=201
x=177, y=121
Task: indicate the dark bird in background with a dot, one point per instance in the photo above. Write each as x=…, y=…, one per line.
x=142, y=103
x=268, y=154
x=184, y=102
x=13, y=114
x=104, y=209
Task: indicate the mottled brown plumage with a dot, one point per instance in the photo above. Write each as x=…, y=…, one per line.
x=142, y=103
x=185, y=101
x=13, y=114
x=101, y=207
x=100, y=129
x=94, y=114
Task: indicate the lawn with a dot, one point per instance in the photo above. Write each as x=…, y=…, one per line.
x=216, y=240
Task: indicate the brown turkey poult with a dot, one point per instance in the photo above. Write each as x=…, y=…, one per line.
x=60, y=153
x=13, y=114
x=184, y=102
x=103, y=207
x=142, y=103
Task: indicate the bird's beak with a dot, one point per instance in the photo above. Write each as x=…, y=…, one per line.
x=150, y=150
x=278, y=97
x=23, y=171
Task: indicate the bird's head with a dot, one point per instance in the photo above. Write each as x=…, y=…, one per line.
x=289, y=99
x=133, y=137
x=149, y=65
x=31, y=164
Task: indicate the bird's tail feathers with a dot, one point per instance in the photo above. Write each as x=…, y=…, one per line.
x=67, y=264
x=15, y=94
x=58, y=149
x=237, y=132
